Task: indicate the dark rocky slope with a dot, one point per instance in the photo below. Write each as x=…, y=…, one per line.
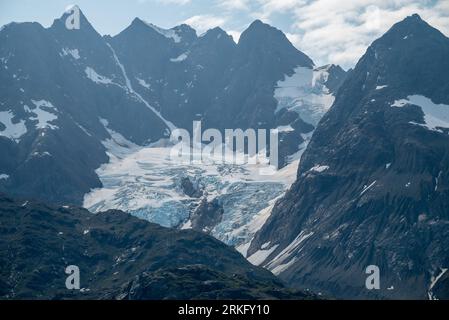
x=119, y=257
x=373, y=185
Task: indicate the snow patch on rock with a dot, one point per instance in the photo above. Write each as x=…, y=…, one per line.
x=319, y=168
x=168, y=33
x=435, y=115
x=12, y=130
x=44, y=114
x=280, y=263
x=143, y=83
x=180, y=58
x=72, y=52
x=95, y=77
x=260, y=256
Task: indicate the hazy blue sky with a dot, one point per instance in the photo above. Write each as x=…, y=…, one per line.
x=329, y=31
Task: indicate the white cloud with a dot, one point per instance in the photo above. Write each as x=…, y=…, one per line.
x=167, y=2
x=294, y=38
x=340, y=31
x=234, y=4
x=329, y=31
x=274, y=6
x=235, y=35
x=202, y=23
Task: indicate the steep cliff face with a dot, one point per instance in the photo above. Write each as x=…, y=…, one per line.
x=373, y=184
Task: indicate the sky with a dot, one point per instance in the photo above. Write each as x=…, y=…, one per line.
x=328, y=31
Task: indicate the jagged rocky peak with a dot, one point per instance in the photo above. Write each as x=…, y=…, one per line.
x=218, y=41
x=331, y=68
x=216, y=33
x=410, y=33
x=12, y=34
x=186, y=32
x=137, y=22
x=408, y=59
x=16, y=25
x=413, y=26
x=267, y=40
x=182, y=35
x=140, y=28
x=84, y=24
x=259, y=29
x=332, y=76
x=138, y=25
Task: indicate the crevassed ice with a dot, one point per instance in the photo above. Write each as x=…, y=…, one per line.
x=145, y=182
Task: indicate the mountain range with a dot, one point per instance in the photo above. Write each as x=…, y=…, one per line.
x=363, y=179
x=64, y=91
x=372, y=186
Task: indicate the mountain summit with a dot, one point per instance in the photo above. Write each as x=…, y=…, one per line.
x=261, y=38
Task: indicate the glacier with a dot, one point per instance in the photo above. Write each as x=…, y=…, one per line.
x=146, y=182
